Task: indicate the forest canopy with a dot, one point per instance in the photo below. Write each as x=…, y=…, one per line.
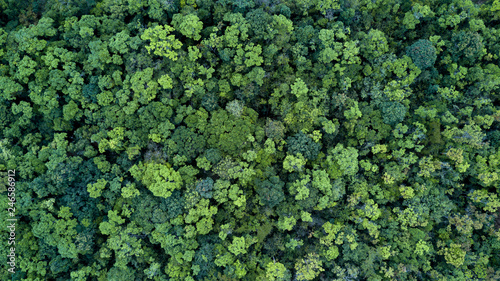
x=250, y=140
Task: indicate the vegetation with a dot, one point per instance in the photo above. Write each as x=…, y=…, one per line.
x=251, y=139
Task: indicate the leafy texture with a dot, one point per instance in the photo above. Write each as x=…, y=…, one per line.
x=250, y=140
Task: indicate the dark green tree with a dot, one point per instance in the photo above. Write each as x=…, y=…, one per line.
x=467, y=46
x=303, y=144
x=393, y=112
x=185, y=142
x=422, y=53
x=204, y=187
x=270, y=191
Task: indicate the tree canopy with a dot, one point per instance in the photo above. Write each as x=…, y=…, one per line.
x=250, y=140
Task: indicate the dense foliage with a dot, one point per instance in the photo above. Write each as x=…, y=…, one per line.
x=251, y=139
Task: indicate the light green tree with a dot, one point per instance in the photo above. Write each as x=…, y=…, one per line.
x=161, y=179
x=161, y=43
x=275, y=271
x=309, y=267
x=294, y=163
x=286, y=223
x=238, y=247
x=454, y=254
x=189, y=25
